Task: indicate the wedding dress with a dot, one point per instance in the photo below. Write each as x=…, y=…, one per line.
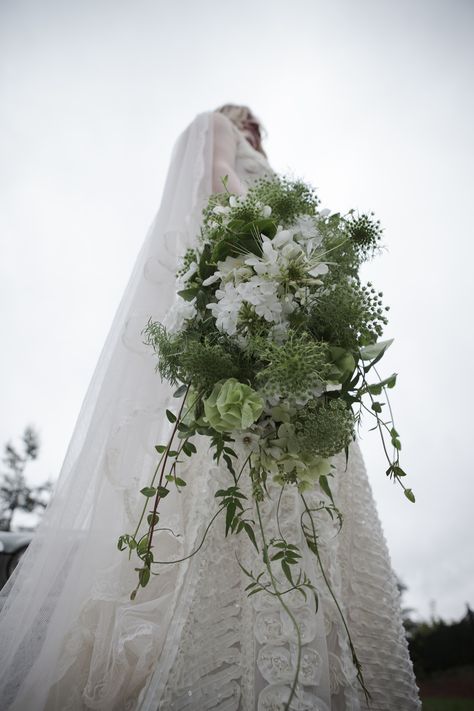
x=192, y=640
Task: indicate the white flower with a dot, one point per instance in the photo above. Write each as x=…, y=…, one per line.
x=319, y=269
x=231, y=268
x=282, y=237
x=266, y=211
x=180, y=312
x=249, y=441
x=325, y=212
x=221, y=210
x=226, y=310
x=305, y=225
x=291, y=251
x=212, y=279
x=268, y=263
x=189, y=273
x=262, y=294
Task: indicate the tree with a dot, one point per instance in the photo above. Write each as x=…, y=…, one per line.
x=15, y=493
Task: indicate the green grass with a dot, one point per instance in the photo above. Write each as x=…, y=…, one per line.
x=448, y=704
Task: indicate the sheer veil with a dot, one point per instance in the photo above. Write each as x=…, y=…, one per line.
x=73, y=559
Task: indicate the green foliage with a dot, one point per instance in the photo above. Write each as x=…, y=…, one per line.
x=184, y=358
x=347, y=314
x=294, y=368
x=206, y=363
x=288, y=199
x=325, y=427
x=366, y=234
x=15, y=492
x=169, y=349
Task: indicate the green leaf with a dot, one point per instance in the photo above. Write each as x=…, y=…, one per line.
x=250, y=532
x=148, y=491
x=287, y=571
x=266, y=226
x=160, y=448
x=229, y=515
x=410, y=495
x=398, y=471
x=144, y=576
x=180, y=391
x=187, y=449
x=228, y=461
x=375, y=350
x=376, y=406
x=171, y=417
x=189, y=294
x=120, y=544
x=323, y=482
x=142, y=546
x=172, y=453
x=179, y=481
x=162, y=491
x=252, y=585
x=390, y=381
x=152, y=519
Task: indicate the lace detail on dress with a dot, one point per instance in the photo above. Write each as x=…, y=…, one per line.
x=214, y=656
x=372, y=598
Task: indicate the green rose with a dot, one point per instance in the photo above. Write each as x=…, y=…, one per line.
x=232, y=406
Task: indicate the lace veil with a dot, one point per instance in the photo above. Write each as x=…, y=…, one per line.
x=73, y=556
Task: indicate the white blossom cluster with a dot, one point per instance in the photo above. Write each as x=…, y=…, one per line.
x=264, y=282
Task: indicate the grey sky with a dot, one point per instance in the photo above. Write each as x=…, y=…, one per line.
x=371, y=101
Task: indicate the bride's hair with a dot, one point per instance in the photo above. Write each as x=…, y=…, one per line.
x=246, y=122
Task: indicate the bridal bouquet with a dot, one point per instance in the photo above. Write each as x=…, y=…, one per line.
x=271, y=345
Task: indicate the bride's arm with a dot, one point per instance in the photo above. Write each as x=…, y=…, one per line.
x=225, y=148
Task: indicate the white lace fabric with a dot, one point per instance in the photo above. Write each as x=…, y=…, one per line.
x=193, y=639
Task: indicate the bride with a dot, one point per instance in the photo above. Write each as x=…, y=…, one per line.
x=71, y=638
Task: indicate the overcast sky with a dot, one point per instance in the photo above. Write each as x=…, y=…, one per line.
x=370, y=101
